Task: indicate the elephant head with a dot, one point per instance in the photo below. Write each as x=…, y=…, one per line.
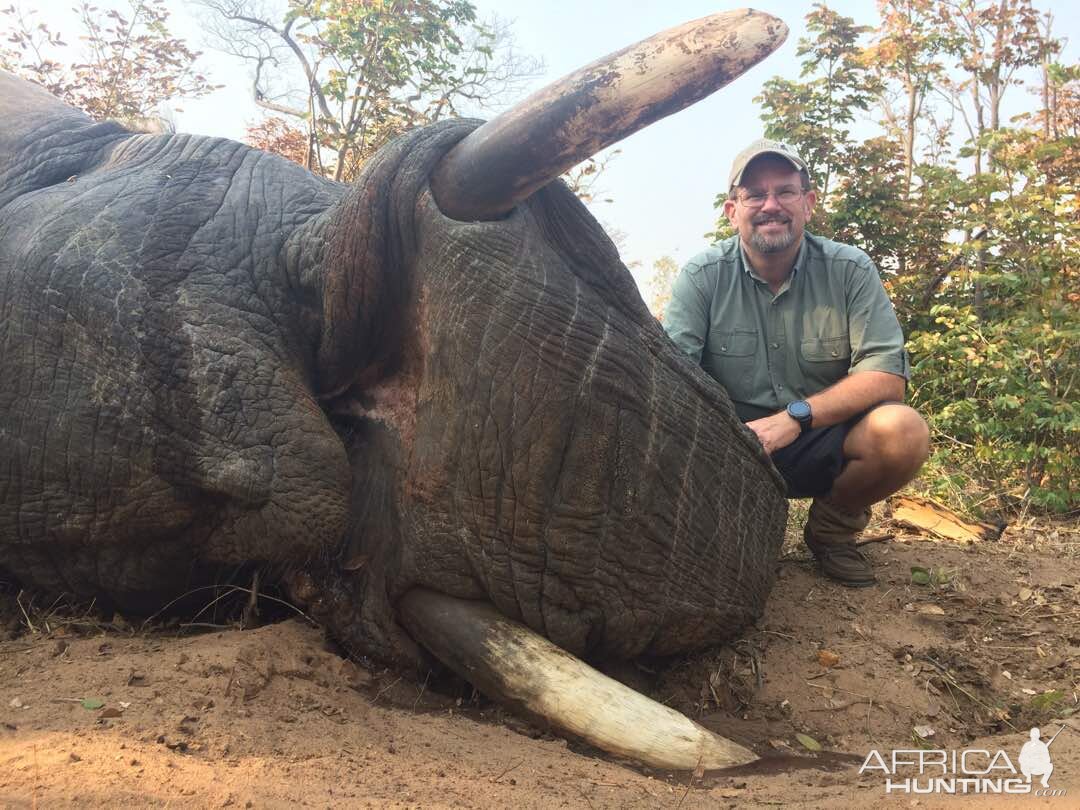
x=433, y=402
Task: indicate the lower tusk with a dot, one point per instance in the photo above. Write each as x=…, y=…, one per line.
x=512, y=664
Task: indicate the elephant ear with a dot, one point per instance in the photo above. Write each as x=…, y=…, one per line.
x=364, y=280
x=43, y=141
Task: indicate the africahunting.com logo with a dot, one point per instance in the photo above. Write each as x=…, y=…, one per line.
x=972, y=770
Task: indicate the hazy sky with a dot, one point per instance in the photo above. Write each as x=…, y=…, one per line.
x=664, y=182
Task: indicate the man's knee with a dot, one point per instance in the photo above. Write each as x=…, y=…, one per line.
x=896, y=433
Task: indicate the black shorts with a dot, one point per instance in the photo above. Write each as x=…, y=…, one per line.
x=812, y=462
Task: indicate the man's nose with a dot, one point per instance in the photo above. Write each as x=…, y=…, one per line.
x=772, y=202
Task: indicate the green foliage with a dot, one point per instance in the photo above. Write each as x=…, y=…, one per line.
x=814, y=115
x=1000, y=391
x=129, y=65
x=978, y=242
x=356, y=75
x=665, y=270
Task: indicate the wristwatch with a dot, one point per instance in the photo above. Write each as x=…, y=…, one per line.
x=799, y=410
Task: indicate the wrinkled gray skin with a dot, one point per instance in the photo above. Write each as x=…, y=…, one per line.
x=211, y=358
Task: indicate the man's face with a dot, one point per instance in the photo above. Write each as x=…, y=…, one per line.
x=771, y=209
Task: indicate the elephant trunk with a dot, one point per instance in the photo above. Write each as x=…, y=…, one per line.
x=518, y=667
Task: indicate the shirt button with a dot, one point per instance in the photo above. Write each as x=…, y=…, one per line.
x=835, y=353
x=777, y=346
x=779, y=388
x=723, y=348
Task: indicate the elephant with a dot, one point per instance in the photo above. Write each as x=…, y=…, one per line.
x=430, y=403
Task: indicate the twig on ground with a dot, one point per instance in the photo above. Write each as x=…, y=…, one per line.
x=843, y=705
x=423, y=686
x=686, y=792
x=776, y=633
x=951, y=681
x=26, y=617
x=878, y=538
x=584, y=796
x=503, y=773
x=229, y=589
x=860, y=694
x=386, y=689
x=250, y=615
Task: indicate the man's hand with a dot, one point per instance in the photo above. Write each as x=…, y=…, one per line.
x=776, y=431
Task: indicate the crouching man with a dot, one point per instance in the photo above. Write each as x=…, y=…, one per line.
x=801, y=333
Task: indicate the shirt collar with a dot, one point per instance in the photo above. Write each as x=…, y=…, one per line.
x=800, y=262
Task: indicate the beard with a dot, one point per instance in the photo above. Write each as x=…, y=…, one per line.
x=772, y=244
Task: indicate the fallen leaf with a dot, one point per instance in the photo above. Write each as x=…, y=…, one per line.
x=1005, y=673
x=111, y=712
x=16, y=703
x=931, y=610
x=780, y=745
x=92, y=703
x=1027, y=691
x=808, y=742
x=124, y=704
x=924, y=731
x=827, y=658
x=1024, y=595
x=920, y=575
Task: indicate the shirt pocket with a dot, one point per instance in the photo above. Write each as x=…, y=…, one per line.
x=826, y=360
x=729, y=358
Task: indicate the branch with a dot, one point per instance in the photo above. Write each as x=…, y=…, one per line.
x=313, y=80
x=261, y=99
x=284, y=34
x=943, y=273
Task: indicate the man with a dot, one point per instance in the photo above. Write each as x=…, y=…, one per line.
x=801, y=333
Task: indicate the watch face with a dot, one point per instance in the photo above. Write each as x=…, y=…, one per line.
x=799, y=410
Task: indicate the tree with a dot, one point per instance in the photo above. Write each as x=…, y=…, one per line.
x=906, y=51
x=991, y=41
x=276, y=135
x=665, y=269
x=584, y=179
x=132, y=62
x=814, y=114
x=356, y=74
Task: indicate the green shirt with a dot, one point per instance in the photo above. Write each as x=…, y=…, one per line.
x=831, y=318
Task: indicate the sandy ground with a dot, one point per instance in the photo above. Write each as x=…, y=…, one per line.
x=96, y=715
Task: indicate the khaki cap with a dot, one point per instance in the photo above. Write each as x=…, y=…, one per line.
x=764, y=146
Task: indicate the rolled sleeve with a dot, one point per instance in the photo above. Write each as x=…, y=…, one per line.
x=877, y=343
x=686, y=319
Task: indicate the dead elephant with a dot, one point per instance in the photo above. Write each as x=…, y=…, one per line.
x=433, y=400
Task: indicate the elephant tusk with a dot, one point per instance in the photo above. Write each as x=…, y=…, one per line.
x=514, y=665
x=521, y=150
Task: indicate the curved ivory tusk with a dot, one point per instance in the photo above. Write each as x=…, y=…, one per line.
x=504, y=161
x=514, y=665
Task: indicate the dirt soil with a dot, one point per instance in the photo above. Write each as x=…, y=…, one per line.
x=103, y=715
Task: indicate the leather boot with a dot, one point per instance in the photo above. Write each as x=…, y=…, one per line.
x=830, y=535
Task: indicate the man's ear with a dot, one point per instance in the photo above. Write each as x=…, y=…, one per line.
x=729, y=212
x=810, y=198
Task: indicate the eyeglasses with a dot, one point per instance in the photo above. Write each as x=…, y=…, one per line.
x=784, y=196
